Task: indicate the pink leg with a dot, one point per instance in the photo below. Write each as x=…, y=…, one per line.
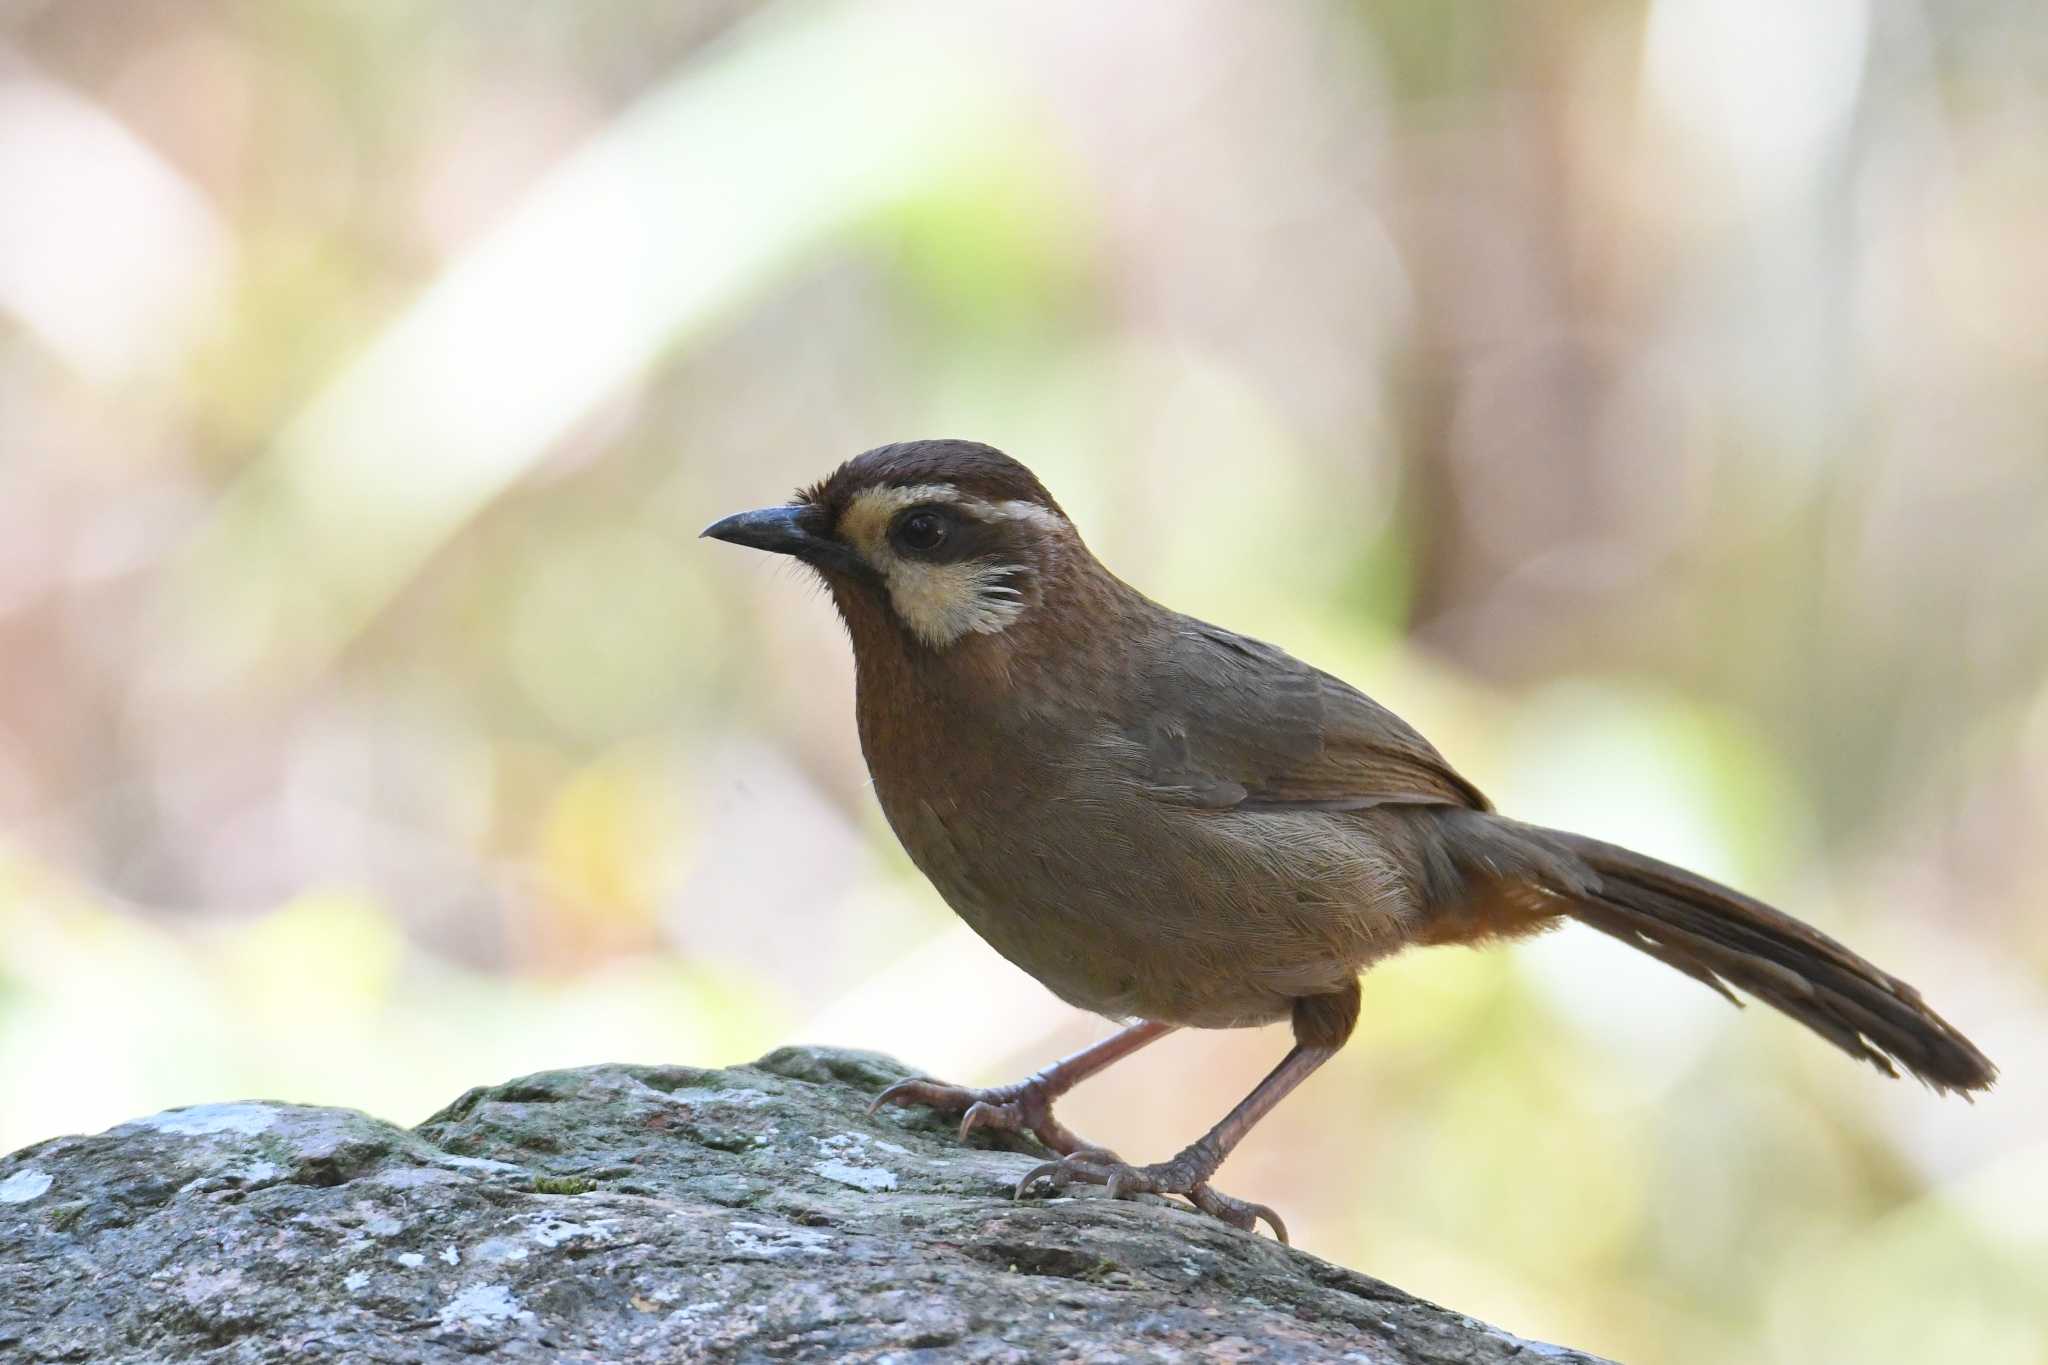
x=1026, y=1107
x=1321, y=1024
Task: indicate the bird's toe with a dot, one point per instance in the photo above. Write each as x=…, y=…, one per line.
x=925, y=1093
x=1183, y=1176
x=1241, y=1214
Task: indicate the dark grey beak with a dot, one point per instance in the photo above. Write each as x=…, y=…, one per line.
x=779, y=530
x=786, y=531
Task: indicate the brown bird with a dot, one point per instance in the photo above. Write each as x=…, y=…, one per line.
x=1177, y=826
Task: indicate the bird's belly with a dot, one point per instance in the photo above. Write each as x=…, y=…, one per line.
x=1200, y=919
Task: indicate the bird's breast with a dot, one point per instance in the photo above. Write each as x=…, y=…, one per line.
x=1131, y=907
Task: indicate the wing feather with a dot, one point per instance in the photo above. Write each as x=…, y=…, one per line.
x=1228, y=722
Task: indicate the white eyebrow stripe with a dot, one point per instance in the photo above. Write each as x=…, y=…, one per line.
x=913, y=493
x=1015, y=509
x=866, y=521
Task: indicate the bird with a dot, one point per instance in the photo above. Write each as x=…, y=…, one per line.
x=1176, y=826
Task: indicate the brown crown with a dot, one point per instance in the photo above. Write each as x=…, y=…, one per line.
x=978, y=471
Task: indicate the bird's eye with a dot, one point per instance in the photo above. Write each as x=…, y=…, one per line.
x=922, y=532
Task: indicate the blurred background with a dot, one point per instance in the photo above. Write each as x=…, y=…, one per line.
x=1646, y=399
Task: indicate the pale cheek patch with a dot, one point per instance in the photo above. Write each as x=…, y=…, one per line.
x=942, y=602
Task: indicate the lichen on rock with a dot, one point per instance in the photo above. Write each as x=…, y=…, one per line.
x=646, y=1213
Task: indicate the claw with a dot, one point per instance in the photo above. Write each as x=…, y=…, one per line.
x=1179, y=1176
x=1060, y=1174
x=1241, y=1214
x=889, y=1095
x=1050, y=1170
x=925, y=1091
x=974, y=1106
x=1021, y=1108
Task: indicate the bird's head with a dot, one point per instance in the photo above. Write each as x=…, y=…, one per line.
x=938, y=544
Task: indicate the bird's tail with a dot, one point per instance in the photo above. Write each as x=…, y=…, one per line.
x=1722, y=938
x=1713, y=934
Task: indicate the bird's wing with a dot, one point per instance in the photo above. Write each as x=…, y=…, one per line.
x=1229, y=722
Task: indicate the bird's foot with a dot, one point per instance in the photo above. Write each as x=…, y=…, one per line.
x=1025, y=1107
x=1186, y=1175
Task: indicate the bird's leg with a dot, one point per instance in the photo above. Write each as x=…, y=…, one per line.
x=1188, y=1173
x=1026, y=1106
x=1321, y=1024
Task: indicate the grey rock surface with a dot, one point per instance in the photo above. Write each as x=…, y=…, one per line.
x=647, y=1213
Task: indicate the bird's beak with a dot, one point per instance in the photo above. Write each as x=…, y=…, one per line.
x=779, y=530
x=788, y=531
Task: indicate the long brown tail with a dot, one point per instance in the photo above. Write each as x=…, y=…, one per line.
x=1722, y=937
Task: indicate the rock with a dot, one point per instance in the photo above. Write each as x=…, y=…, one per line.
x=646, y=1213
